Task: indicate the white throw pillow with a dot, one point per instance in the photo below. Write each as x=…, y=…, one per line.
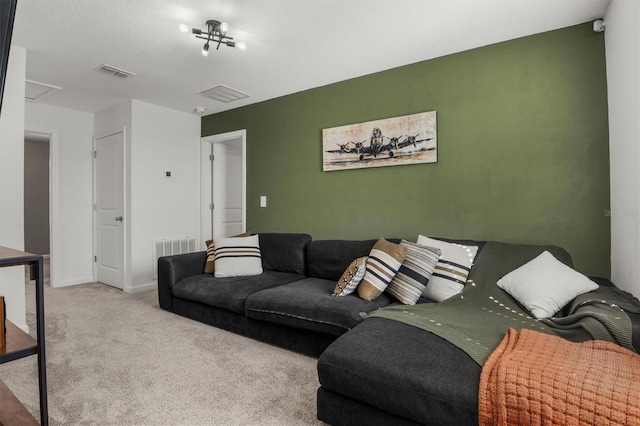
x=544, y=285
x=452, y=270
x=238, y=256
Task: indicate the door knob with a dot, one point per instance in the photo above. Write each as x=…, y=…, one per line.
x=119, y=218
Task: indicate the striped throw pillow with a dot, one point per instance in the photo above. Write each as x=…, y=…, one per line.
x=452, y=270
x=412, y=277
x=235, y=257
x=383, y=263
x=210, y=266
x=351, y=277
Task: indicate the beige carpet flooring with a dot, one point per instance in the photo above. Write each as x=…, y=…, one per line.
x=118, y=359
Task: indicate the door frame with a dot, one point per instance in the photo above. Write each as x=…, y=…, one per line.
x=206, y=189
x=54, y=206
x=126, y=278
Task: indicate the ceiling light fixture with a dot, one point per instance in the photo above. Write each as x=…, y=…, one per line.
x=216, y=32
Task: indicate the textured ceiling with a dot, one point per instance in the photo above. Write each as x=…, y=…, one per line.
x=292, y=45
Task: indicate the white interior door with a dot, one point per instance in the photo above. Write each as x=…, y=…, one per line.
x=223, y=185
x=110, y=209
x=227, y=189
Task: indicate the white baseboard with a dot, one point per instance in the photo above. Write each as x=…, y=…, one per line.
x=139, y=288
x=75, y=281
x=24, y=327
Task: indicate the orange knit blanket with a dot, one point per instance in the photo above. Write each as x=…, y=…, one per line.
x=533, y=378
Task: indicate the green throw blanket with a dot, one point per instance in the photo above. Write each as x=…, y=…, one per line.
x=477, y=319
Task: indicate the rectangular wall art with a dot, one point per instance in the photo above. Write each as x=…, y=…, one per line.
x=410, y=139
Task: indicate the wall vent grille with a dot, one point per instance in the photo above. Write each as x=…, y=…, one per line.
x=170, y=247
x=224, y=94
x=118, y=72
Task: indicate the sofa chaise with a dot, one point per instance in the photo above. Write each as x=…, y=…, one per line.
x=378, y=370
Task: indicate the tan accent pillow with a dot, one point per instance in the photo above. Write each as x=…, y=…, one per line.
x=351, y=277
x=209, y=265
x=383, y=263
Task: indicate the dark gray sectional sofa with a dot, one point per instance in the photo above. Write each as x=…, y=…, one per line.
x=373, y=372
x=288, y=305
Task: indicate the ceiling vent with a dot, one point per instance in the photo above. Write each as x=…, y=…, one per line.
x=224, y=94
x=118, y=72
x=35, y=91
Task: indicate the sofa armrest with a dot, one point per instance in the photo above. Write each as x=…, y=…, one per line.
x=633, y=316
x=172, y=269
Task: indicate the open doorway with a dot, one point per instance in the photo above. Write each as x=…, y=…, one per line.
x=223, y=185
x=37, y=196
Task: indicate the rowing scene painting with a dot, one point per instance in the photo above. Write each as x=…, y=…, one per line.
x=410, y=139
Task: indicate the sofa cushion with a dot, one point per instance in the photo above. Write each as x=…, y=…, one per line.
x=308, y=304
x=431, y=380
x=329, y=258
x=229, y=293
x=284, y=252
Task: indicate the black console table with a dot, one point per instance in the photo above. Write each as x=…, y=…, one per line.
x=19, y=344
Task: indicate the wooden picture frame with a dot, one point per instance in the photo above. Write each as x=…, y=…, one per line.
x=397, y=141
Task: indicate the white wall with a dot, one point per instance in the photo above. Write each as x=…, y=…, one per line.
x=622, y=42
x=157, y=139
x=71, y=147
x=12, y=178
x=162, y=140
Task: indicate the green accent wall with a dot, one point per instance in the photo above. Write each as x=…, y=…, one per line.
x=522, y=151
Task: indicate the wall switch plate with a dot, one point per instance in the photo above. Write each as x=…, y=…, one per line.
x=263, y=201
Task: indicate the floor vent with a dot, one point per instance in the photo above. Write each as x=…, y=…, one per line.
x=169, y=247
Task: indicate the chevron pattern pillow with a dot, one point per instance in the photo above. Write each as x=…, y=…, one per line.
x=351, y=277
x=239, y=256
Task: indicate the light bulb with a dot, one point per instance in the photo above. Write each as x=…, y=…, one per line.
x=205, y=50
x=241, y=45
x=224, y=27
x=184, y=28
